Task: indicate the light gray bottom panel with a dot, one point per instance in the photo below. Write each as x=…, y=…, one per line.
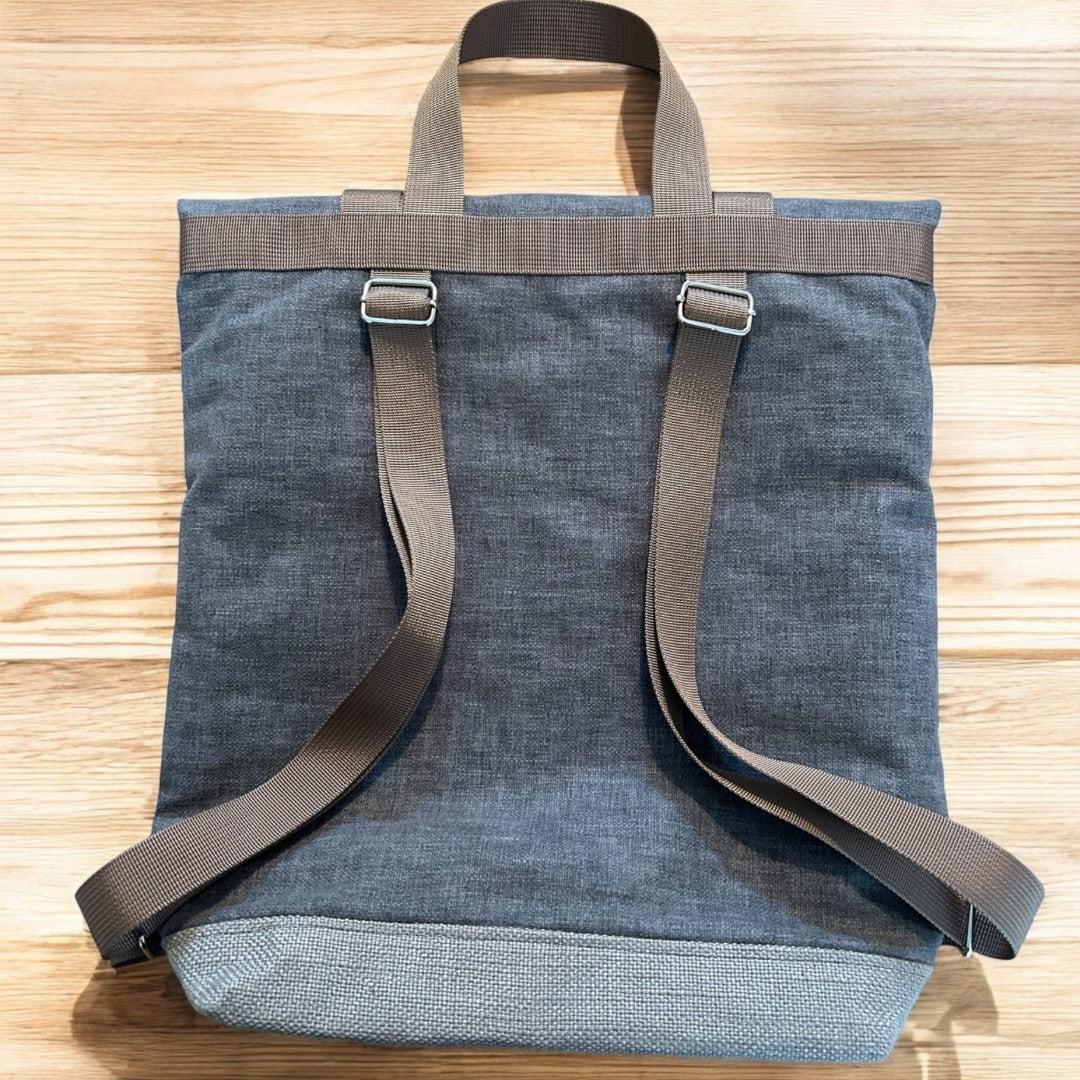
x=450, y=985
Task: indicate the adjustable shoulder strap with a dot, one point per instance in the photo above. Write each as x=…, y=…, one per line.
x=126, y=902
x=976, y=893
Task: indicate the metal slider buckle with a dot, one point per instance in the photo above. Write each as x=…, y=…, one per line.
x=416, y=283
x=726, y=290
x=149, y=946
x=968, y=944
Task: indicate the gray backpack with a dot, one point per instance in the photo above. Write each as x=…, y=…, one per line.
x=622, y=505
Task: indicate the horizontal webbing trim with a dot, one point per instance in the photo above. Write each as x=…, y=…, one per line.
x=556, y=245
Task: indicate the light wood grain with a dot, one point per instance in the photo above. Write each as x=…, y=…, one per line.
x=112, y=109
x=975, y=104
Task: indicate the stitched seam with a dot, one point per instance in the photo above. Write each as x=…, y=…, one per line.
x=464, y=932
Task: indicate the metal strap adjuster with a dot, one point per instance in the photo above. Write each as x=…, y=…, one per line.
x=969, y=943
x=416, y=283
x=149, y=945
x=726, y=290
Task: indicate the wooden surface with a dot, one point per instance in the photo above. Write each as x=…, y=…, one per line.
x=112, y=110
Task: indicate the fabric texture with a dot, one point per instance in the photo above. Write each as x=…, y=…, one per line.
x=818, y=600
x=433, y=985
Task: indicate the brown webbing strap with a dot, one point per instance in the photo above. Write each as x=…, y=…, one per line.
x=355, y=200
x=559, y=245
x=976, y=893
x=127, y=900
x=559, y=30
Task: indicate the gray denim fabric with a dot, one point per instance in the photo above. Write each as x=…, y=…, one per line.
x=538, y=786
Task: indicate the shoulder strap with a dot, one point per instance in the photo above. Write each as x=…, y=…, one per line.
x=976, y=893
x=128, y=900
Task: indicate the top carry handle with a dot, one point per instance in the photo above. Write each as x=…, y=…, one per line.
x=558, y=30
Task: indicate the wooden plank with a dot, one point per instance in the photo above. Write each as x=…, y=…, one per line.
x=961, y=24
x=187, y=119
x=1006, y=448
x=88, y=734
x=92, y=480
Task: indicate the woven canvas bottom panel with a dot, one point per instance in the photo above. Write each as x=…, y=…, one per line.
x=457, y=985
